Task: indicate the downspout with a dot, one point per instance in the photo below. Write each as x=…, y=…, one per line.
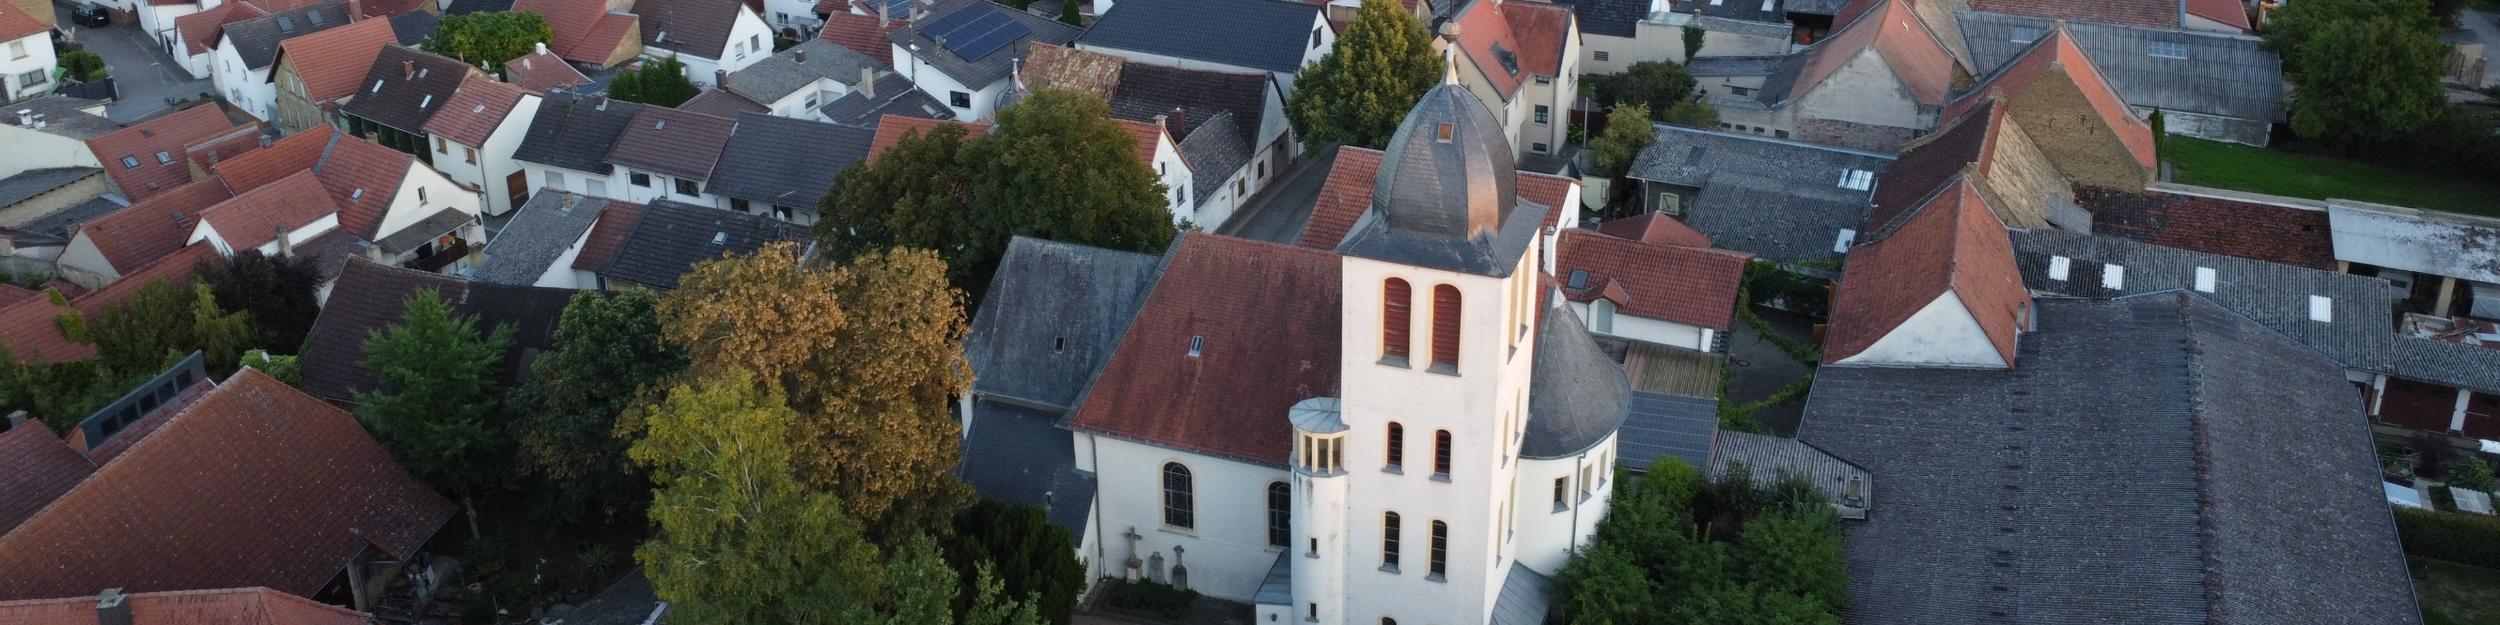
x=1571, y=540
x=1093, y=453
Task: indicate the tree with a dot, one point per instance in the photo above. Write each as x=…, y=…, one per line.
x=911, y=196
x=1692, y=114
x=1792, y=551
x=83, y=66
x=1057, y=167
x=1627, y=132
x=1031, y=556
x=1359, y=94
x=1694, y=36
x=922, y=590
x=222, y=336
x=281, y=293
x=607, y=351
x=1680, y=550
x=739, y=540
x=1602, y=586
x=489, y=39
x=438, y=407
x=2290, y=29
x=1659, y=84
x=1068, y=13
x=284, y=368
x=2366, y=81
x=662, y=82
x=147, y=331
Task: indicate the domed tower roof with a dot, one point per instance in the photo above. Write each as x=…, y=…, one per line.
x=1446, y=196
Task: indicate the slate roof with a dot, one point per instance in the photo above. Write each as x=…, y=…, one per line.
x=256, y=40
x=256, y=216
x=236, y=606
x=36, y=466
x=1017, y=454
x=1767, y=458
x=58, y=227
x=157, y=145
x=1145, y=91
x=682, y=144
x=2274, y=295
x=405, y=88
x=475, y=110
x=330, y=61
x=989, y=68
x=889, y=94
x=1447, y=204
x=542, y=72
x=412, y=28
x=1522, y=600
x=2461, y=246
x=1780, y=200
x=2223, y=75
x=575, y=131
x=1611, y=18
x=150, y=229
x=1667, y=426
x=1952, y=245
x=1345, y=199
x=1268, y=314
x=2146, y=13
x=1214, y=154
x=585, y=32
x=64, y=116
x=26, y=185
x=183, y=510
x=1051, y=317
x=670, y=237
x=862, y=34
x=1692, y=285
x=539, y=233
x=756, y=164
x=697, y=27
x=785, y=72
x=367, y=297
x=1272, y=35
x=1578, y=396
x=2234, y=459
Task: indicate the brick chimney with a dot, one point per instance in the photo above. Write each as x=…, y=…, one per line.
x=407, y=70
x=112, y=607
x=1173, y=121
x=868, y=81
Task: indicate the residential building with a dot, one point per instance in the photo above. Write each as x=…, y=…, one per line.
x=651, y=247
x=315, y=74
x=2070, y=112
x=475, y=136
x=970, y=72
x=757, y=174
x=860, y=32
x=107, y=248
x=157, y=155
x=239, y=606
x=1522, y=59
x=720, y=103
x=271, y=219
x=2198, y=15
x=1940, y=290
x=197, y=35
x=1789, y=202
x=545, y=238
x=1879, y=80
x=50, y=132
x=1274, y=36
x=542, y=71
x=2219, y=86
x=798, y=81
x=27, y=318
x=666, y=153
x=890, y=94
x=1614, y=34
x=1651, y=279
x=1988, y=145
x=404, y=89
x=566, y=147
x=1229, y=127
x=247, y=50
x=413, y=215
x=708, y=36
x=594, y=33
x=370, y=297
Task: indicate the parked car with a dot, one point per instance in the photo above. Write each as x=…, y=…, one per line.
x=90, y=15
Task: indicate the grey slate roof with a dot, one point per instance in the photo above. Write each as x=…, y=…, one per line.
x=538, y=234
x=58, y=227
x=412, y=86
x=1052, y=317
x=1667, y=426
x=1612, y=18
x=722, y=104
x=892, y=94
x=1271, y=35
x=1714, y=66
x=1766, y=458
x=256, y=39
x=2226, y=75
x=465, y=7
x=1447, y=204
x=787, y=71
x=575, y=131
x=1146, y=90
x=629, y=601
x=1522, y=600
x=33, y=182
x=1578, y=396
x=671, y=237
x=2148, y=452
x=1777, y=28
x=371, y=296
x=2458, y=365
x=2273, y=294
x=1779, y=199
x=977, y=73
x=1021, y=455
x=63, y=115
x=1782, y=82
x=1214, y=154
x=414, y=27
x=1747, y=10
x=762, y=162
x=697, y=27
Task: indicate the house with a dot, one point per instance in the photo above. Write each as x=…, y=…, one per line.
x=106, y=248
x=1881, y=79
x=317, y=73
x=198, y=35
x=51, y=132
x=666, y=153
x=970, y=71
x=1940, y=291
x=1787, y=202
x=246, y=50
x=798, y=81
x=594, y=33
x=404, y=89
x=1522, y=59
x=28, y=326
x=2070, y=112
x=1274, y=36
x=239, y=606
x=1229, y=127
x=413, y=215
x=861, y=33
x=709, y=36
x=653, y=246
x=545, y=238
x=317, y=507
x=157, y=155
x=371, y=297
x=720, y=103
x=757, y=174
x=890, y=94
x=1988, y=145
x=542, y=71
x=271, y=219
x=2219, y=86
x=1614, y=34
x=568, y=141
x=1651, y=279
x=475, y=136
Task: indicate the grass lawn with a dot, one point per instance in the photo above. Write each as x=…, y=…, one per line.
x=2456, y=594
x=2299, y=174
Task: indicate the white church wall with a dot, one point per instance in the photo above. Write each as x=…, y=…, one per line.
x=1547, y=532
x=1227, y=552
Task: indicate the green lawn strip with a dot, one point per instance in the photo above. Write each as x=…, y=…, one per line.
x=2296, y=174
x=2456, y=594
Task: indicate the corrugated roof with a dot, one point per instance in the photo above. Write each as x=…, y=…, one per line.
x=2444, y=244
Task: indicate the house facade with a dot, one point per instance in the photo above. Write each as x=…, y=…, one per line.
x=972, y=74
x=26, y=60
x=709, y=37
x=475, y=136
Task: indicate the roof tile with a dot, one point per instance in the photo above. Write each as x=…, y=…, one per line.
x=141, y=233
x=679, y=143
x=258, y=215
x=542, y=72
x=473, y=113
x=330, y=61
x=1952, y=245
x=862, y=34
x=585, y=32
x=405, y=87
x=147, y=158
x=1688, y=285
x=2213, y=225
x=236, y=606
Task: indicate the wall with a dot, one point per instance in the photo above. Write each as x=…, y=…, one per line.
x=1227, y=553
x=941, y=86
x=1862, y=105
x=83, y=264
x=38, y=59
x=1648, y=330
x=1547, y=535
x=157, y=22
x=800, y=13
x=1175, y=176
x=750, y=28
x=36, y=149
x=663, y=187
x=1659, y=41
x=2062, y=122
x=295, y=109
x=560, y=274
x=53, y=201
x=496, y=156
x=2193, y=22
x=796, y=104
x=2230, y=129
x=247, y=89
x=1941, y=334
x=440, y=193
x=574, y=180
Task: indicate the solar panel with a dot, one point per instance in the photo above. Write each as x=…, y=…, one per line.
x=989, y=41
x=976, y=31
x=944, y=28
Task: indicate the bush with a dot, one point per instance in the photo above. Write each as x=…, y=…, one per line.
x=83, y=66
x=1146, y=598
x=2451, y=536
x=2473, y=474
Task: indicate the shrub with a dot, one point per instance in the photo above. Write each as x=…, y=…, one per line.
x=2451, y=536
x=1147, y=598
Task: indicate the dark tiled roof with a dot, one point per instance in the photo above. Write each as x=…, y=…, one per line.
x=367, y=297
x=757, y=165
x=1271, y=35
x=414, y=27
x=1214, y=155
x=2233, y=459
x=1268, y=317
x=2470, y=367
x=575, y=131
x=2274, y=295
x=1953, y=245
x=537, y=235
x=1780, y=200
x=671, y=237
x=1766, y=458
x=607, y=235
x=1931, y=161
x=1199, y=96
x=1682, y=284
x=1017, y=454
x=200, y=31
x=2224, y=74
x=36, y=466
x=697, y=27
x=64, y=116
x=465, y=7
x=405, y=87
x=58, y=227
x=891, y=94
x=788, y=71
x=980, y=72
x=256, y=40
x=1578, y=396
x=2214, y=225
x=34, y=182
x=156, y=147
x=1612, y=18
x=722, y=104
x=1051, y=318
x=255, y=484
x=1448, y=204
x=679, y=143
x=1667, y=426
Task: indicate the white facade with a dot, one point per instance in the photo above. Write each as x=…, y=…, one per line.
x=1226, y=551
x=1942, y=334
x=294, y=237
x=802, y=103
x=750, y=40
x=1176, y=177
x=489, y=167
x=659, y=186
x=1275, y=146
x=1605, y=320
x=1322, y=42
x=797, y=15
x=422, y=193
x=30, y=148
x=602, y=184
x=157, y=20
x=247, y=88
x=84, y=264
x=966, y=101
x=27, y=64
x=561, y=275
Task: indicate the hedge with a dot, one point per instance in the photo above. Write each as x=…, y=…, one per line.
x=2451, y=536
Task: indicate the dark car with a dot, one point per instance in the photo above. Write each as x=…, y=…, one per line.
x=89, y=15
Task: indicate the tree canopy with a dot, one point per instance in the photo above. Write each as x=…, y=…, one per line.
x=489, y=39
x=1361, y=91
x=1627, y=132
x=1030, y=556
x=607, y=350
x=1677, y=549
x=662, y=81
x=2362, y=81
x=1658, y=84
x=439, y=407
x=279, y=292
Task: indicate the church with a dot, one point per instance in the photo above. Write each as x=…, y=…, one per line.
x=1409, y=427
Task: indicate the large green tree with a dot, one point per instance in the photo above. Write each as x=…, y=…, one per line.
x=911, y=196
x=921, y=590
x=662, y=81
x=1658, y=84
x=2360, y=81
x=1678, y=550
x=607, y=351
x=1030, y=556
x=1361, y=91
x=279, y=292
x=1627, y=131
x=439, y=407
x=489, y=39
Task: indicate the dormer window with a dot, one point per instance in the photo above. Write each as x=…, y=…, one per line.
x=1443, y=132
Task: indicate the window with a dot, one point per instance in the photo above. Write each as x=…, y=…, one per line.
x=1602, y=316
x=1315, y=38
x=639, y=179
x=742, y=206
x=1397, y=446
x=1262, y=170
x=785, y=213
x=1562, y=493
x=2321, y=309
x=2059, y=266
x=164, y=157
x=1177, y=499
x=130, y=162
x=1279, y=515
x=686, y=187
x=1389, y=541
x=555, y=180
x=1544, y=114
x=1440, y=551
x=1743, y=91
x=2167, y=49
x=1445, y=323
x=1441, y=454
x=1443, y=132
x=959, y=99
x=755, y=42
x=1544, y=80
x=1539, y=148
x=17, y=50
x=1241, y=188
x=469, y=153
x=2205, y=279
x=1396, y=311
x=420, y=196
x=441, y=146
x=1601, y=55
x=2025, y=34
x=1584, y=481
x=1841, y=243
x=1782, y=134
x=1314, y=613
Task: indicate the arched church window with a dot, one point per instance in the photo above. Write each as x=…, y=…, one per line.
x=1279, y=514
x=1440, y=550
x=1441, y=454
x=1389, y=540
x=1178, y=497
x=1397, y=446
x=1396, y=312
x=1445, y=324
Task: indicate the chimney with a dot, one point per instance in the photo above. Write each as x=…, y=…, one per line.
x=1449, y=30
x=868, y=81
x=407, y=70
x=17, y=419
x=798, y=55
x=883, y=18
x=541, y=47
x=1177, y=118
x=720, y=78
x=285, y=248
x=355, y=10
x=112, y=608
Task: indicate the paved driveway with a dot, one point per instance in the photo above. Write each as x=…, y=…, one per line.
x=1276, y=214
x=144, y=74
x=2486, y=29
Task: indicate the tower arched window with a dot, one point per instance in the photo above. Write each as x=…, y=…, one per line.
x=1440, y=550
x=1396, y=313
x=1179, y=497
x=1279, y=514
x=1441, y=454
x=1445, y=324
x=1389, y=540
x=1397, y=446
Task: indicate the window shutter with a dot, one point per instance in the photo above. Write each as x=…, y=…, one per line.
x=1445, y=322
x=1396, y=313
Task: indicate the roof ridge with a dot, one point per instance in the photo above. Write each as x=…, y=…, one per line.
x=2200, y=448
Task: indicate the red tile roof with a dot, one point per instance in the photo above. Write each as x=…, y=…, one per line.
x=11, y=294
x=384, y=9
x=2056, y=55
x=892, y=128
x=543, y=72
x=170, y=135
x=1348, y=193
x=256, y=216
x=35, y=467
x=363, y=177
x=861, y=34
x=1268, y=317
x=2279, y=234
x=256, y=484
x=146, y=231
x=1688, y=285
x=1953, y=245
x=236, y=606
x=1657, y=229
x=201, y=30
x=1540, y=30
x=607, y=235
x=16, y=24
x=2228, y=12
x=1481, y=28
x=585, y=32
x=2152, y=13
x=1915, y=55
x=297, y=152
x=331, y=62
x=1149, y=136
x=473, y=112
x=30, y=332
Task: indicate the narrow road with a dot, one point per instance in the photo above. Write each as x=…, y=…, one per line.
x=144, y=74
x=1277, y=213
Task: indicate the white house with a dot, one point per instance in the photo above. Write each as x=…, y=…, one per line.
x=708, y=36
x=246, y=52
x=1650, y=279
x=669, y=154
x=475, y=134
x=1523, y=60
x=798, y=81
x=970, y=72
x=26, y=61
x=566, y=144
x=1902, y=303
x=272, y=219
